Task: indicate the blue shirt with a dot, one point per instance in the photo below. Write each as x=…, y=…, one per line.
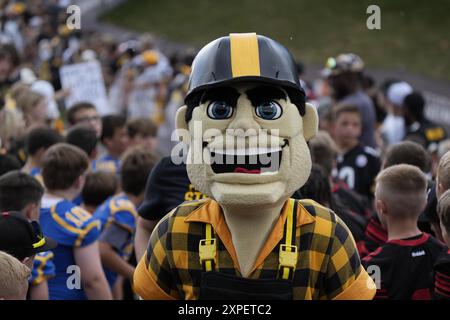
x=118, y=223
x=106, y=163
x=43, y=268
x=72, y=227
x=37, y=173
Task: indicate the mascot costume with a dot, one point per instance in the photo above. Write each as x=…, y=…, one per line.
x=246, y=123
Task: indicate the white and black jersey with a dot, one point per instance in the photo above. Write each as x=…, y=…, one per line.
x=358, y=168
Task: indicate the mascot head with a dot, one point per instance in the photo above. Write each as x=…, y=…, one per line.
x=246, y=122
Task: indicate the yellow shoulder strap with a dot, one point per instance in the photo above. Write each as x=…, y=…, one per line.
x=207, y=249
x=288, y=250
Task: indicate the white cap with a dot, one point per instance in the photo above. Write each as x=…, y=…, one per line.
x=88, y=55
x=398, y=91
x=27, y=76
x=45, y=88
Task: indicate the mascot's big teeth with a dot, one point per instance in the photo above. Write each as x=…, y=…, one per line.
x=246, y=151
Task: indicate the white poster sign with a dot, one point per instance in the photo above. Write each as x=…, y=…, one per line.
x=86, y=84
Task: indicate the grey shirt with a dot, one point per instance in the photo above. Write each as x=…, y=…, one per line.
x=367, y=109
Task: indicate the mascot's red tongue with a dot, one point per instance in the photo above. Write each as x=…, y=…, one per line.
x=243, y=170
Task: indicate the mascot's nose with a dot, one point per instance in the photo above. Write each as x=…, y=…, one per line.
x=244, y=121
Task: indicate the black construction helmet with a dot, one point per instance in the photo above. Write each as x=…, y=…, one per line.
x=242, y=57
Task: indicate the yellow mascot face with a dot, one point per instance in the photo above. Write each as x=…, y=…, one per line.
x=247, y=144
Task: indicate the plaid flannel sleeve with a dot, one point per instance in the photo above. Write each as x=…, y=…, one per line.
x=153, y=278
x=345, y=277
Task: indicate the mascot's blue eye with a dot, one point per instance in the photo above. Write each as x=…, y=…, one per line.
x=269, y=110
x=219, y=110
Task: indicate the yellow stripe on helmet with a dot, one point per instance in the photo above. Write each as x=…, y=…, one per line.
x=244, y=54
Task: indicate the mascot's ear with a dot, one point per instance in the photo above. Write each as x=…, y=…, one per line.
x=182, y=127
x=310, y=122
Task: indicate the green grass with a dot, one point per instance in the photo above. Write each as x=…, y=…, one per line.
x=414, y=35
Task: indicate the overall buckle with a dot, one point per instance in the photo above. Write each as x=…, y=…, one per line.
x=206, y=251
x=288, y=258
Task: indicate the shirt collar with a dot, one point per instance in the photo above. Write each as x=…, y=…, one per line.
x=211, y=212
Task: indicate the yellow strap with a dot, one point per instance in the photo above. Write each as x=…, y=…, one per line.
x=289, y=224
x=207, y=249
x=208, y=232
x=288, y=252
x=208, y=264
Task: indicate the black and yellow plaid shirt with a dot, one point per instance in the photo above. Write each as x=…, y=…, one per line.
x=328, y=264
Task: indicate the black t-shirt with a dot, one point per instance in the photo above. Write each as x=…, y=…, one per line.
x=430, y=211
x=168, y=185
x=358, y=168
x=354, y=222
x=406, y=267
x=442, y=276
x=427, y=133
x=352, y=200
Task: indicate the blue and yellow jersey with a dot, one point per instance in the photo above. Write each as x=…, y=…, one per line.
x=37, y=173
x=118, y=219
x=43, y=268
x=72, y=227
x=78, y=200
x=106, y=163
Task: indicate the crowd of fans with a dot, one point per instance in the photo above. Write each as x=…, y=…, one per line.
x=98, y=184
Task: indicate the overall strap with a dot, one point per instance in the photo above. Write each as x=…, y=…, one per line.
x=288, y=250
x=207, y=249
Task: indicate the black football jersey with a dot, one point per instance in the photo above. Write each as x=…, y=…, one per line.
x=358, y=168
x=427, y=133
x=168, y=185
x=374, y=236
x=442, y=277
x=351, y=199
x=404, y=267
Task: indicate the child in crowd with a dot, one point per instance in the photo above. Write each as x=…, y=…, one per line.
x=442, y=185
x=37, y=142
x=142, y=132
x=405, y=152
x=118, y=215
x=98, y=188
x=357, y=165
x=404, y=263
x=76, y=231
x=115, y=139
x=22, y=193
x=85, y=113
x=442, y=266
x=84, y=138
x=13, y=278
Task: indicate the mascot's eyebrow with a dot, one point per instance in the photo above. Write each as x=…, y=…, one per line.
x=261, y=94
x=227, y=94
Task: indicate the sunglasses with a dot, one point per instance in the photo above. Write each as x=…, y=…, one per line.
x=88, y=119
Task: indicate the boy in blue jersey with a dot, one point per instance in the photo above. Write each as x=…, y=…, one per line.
x=78, y=270
x=115, y=139
x=118, y=215
x=37, y=142
x=22, y=193
x=98, y=188
x=86, y=139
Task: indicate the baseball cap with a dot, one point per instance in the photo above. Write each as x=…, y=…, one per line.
x=397, y=92
x=46, y=89
x=345, y=62
x=22, y=238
